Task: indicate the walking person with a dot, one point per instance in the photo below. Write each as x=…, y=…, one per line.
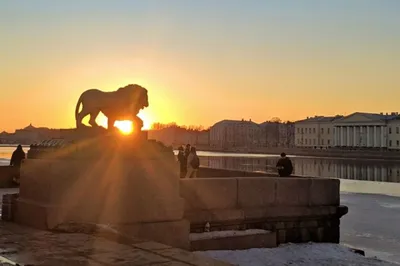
x=193, y=163
x=182, y=159
x=284, y=165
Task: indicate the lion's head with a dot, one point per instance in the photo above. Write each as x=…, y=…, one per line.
x=135, y=96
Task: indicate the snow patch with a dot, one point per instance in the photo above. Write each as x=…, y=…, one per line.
x=309, y=254
x=228, y=233
x=390, y=206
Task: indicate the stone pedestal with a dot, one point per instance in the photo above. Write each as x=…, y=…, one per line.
x=121, y=181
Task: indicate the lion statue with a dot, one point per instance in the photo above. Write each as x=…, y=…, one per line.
x=123, y=104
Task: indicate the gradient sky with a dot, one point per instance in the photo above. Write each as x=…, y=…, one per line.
x=202, y=61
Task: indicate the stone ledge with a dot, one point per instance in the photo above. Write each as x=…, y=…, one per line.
x=264, y=239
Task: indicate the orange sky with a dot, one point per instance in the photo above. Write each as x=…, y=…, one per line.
x=201, y=62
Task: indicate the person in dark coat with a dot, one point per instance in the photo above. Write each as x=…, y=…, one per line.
x=17, y=157
x=182, y=159
x=16, y=160
x=187, y=150
x=284, y=165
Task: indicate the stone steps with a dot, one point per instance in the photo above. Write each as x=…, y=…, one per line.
x=233, y=240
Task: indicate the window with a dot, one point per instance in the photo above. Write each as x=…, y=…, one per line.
x=314, y=130
x=329, y=131
x=298, y=130
x=329, y=142
x=397, y=143
x=314, y=141
x=309, y=130
x=322, y=142
x=302, y=131
x=390, y=143
x=306, y=141
x=397, y=130
x=390, y=130
x=322, y=131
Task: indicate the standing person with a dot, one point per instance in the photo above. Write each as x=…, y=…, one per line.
x=193, y=163
x=182, y=159
x=17, y=157
x=187, y=150
x=284, y=165
x=16, y=161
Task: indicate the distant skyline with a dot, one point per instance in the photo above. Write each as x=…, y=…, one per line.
x=202, y=61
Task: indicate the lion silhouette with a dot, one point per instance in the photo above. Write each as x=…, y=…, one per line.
x=123, y=104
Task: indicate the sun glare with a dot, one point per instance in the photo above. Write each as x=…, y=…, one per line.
x=124, y=126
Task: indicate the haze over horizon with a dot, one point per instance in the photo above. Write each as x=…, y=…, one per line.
x=201, y=61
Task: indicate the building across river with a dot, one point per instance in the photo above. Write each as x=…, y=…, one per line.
x=358, y=130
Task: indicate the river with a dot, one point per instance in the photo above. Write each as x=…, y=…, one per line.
x=352, y=169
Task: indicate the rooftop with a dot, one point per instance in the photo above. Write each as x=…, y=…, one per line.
x=320, y=119
x=227, y=122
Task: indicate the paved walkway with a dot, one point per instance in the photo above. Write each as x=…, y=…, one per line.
x=27, y=246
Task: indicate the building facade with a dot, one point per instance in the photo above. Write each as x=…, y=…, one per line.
x=315, y=132
x=286, y=135
x=355, y=131
x=232, y=134
x=366, y=130
x=269, y=136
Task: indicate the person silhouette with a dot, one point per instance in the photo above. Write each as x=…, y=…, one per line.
x=16, y=160
x=284, y=165
x=17, y=156
x=182, y=159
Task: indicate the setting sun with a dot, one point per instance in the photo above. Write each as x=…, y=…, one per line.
x=124, y=126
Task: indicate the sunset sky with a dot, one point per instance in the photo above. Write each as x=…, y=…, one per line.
x=202, y=61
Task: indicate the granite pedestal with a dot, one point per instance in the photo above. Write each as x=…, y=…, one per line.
x=126, y=182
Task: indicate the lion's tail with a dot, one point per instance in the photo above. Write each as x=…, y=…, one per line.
x=78, y=104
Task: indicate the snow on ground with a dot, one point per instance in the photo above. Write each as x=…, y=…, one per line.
x=309, y=254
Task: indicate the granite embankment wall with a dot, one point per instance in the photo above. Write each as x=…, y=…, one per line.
x=6, y=176
x=297, y=209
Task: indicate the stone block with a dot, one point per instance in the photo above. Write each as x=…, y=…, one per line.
x=288, y=211
x=116, y=191
x=204, y=216
x=175, y=233
x=293, y=235
x=293, y=191
x=6, y=175
x=325, y=191
x=305, y=235
x=265, y=239
x=281, y=236
x=209, y=193
x=308, y=223
x=256, y=192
